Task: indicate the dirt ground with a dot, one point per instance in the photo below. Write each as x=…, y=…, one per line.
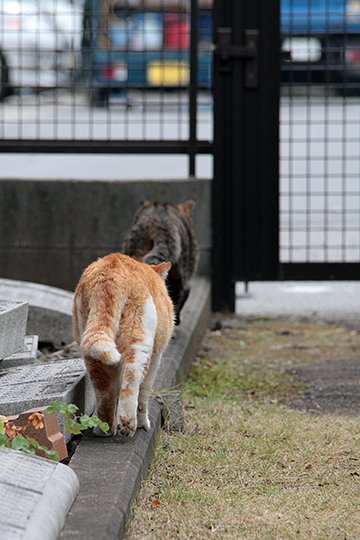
x=331, y=385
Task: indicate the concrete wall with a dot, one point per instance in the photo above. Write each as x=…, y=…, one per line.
x=51, y=230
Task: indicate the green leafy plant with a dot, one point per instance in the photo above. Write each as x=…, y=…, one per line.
x=74, y=423
x=12, y=436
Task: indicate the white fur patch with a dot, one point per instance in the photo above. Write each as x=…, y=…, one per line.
x=143, y=352
x=145, y=348
x=149, y=320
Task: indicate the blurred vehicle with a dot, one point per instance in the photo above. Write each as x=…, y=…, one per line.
x=68, y=15
x=145, y=43
x=142, y=44
x=322, y=39
x=39, y=41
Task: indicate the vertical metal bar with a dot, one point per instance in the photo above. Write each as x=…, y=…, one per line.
x=255, y=141
x=308, y=186
x=245, y=198
x=193, y=85
x=223, y=285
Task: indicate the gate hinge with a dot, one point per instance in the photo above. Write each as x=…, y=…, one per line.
x=225, y=51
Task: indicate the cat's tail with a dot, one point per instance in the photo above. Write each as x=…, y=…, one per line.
x=98, y=339
x=100, y=346
x=153, y=257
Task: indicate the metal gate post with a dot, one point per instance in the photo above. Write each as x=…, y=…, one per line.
x=245, y=192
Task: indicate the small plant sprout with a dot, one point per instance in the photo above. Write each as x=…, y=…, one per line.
x=74, y=423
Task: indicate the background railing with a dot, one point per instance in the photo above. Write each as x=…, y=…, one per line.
x=106, y=76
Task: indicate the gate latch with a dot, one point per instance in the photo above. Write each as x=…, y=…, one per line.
x=225, y=51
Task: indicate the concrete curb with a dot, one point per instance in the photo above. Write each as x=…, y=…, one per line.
x=110, y=470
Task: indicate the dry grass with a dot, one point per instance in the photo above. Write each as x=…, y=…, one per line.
x=247, y=466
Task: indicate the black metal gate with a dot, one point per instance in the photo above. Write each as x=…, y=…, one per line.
x=286, y=195
x=246, y=158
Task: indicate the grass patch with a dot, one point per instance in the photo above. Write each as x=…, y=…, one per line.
x=247, y=466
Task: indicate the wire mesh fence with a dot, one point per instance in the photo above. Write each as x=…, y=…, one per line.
x=320, y=132
x=106, y=71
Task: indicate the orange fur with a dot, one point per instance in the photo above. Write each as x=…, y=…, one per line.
x=123, y=321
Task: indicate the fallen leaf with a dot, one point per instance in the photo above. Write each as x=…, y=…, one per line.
x=155, y=503
x=10, y=430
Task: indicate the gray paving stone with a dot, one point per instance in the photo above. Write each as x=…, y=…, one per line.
x=26, y=355
x=13, y=321
x=35, y=496
x=26, y=387
x=172, y=411
x=49, y=309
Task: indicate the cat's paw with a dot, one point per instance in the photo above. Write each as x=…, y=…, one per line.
x=144, y=422
x=127, y=426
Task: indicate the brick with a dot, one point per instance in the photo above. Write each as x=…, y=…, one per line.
x=49, y=436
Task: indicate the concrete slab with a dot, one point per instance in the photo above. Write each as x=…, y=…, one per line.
x=13, y=321
x=49, y=309
x=35, y=496
x=332, y=301
x=26, y=355
x=120, y=466
x=26, y=387
x=61, y=235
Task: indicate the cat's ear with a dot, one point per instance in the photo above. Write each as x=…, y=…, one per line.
x=187, y=207
x=144, y=205
x=162, y=269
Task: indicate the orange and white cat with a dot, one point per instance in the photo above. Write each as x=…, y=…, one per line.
x=123, y=320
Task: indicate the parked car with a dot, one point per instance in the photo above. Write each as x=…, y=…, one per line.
x=142, y=45
x=39, y=41
x=145, y=44
x=322, y=39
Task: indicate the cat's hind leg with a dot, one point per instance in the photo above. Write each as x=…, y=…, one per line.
x=135, y=367
x=145, y=392
x=135, y=364
x=106, y=383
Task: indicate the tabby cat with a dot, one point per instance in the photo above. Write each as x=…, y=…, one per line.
x=122, y=320
x=164, y=232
